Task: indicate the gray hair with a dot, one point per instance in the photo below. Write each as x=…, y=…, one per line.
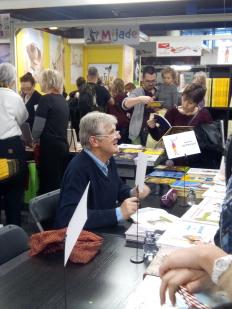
x=200, y=78
x=7, y=74
x=93, y=124
x=51, y=79
x=92, y=71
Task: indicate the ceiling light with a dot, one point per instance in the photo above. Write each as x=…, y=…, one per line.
x=53, y=28
x=181, y=67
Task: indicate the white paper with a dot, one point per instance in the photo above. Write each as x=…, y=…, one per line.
x=141, y=171
x=76, y=225
x=181, y=144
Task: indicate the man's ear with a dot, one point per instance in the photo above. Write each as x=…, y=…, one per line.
x=94, y=142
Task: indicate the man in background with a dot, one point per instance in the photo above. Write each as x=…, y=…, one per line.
x=103, y=97
x=138, y=99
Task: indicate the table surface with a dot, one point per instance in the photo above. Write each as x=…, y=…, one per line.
x=39, y=282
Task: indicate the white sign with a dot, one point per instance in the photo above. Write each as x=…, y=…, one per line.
x=76, y=225
x=141, y=171
x=225, y=52
x=181, y=144
x=112, y=35
x=178, y=49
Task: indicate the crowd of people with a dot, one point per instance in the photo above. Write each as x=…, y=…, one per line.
x=102, y=117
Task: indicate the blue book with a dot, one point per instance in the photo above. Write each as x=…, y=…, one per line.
x=166, y=174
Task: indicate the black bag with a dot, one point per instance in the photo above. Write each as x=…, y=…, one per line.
x=209, y=136
x=87, y=100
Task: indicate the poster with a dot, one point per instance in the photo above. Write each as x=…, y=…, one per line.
x=225, y=52
x=107, y=71
x=129, y=55
x=178, y=49
x=4, y=26
x=4, y=53
x=32, y=51
x=76, y=62
x=57, y=54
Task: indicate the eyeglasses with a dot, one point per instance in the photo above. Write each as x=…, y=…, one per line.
x=111, y=135
x=150, y=81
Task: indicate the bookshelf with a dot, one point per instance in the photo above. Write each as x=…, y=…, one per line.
x=221, y=110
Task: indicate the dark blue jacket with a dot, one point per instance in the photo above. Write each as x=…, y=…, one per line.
x=104, y=192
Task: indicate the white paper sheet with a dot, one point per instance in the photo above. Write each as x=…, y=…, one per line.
x=76, y=225
x=181, y=144
x=141, y=171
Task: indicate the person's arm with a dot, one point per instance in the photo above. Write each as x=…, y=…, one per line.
x=21, y=113
x=130, y=102
x=192, y=267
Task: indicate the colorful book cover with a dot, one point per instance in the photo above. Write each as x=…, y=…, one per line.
x=166, y=174
x=160, y=181
x=186, y=184
x=173, y=168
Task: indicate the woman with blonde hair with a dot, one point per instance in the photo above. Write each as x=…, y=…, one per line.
x=118, y=94
x=50, y=131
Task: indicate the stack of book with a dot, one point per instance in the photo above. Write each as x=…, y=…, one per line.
x=198, y=179
x=149, y=219
x=163, y=174
x=217, y=94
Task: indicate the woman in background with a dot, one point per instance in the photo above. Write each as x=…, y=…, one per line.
x=187, y=114
x=200, y=79
x=118, y=94
x=30, y=96
x=13, y=114
x=50, y=130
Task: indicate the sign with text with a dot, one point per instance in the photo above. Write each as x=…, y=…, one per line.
x=112, y=35
x=181, y=144
x=178, y=49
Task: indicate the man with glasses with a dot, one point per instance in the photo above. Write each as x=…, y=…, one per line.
x=109, y=199
x=138, y=99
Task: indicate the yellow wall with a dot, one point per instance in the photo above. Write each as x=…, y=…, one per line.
x=115, y=54
x=103, y=54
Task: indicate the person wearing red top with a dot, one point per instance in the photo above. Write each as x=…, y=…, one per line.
x=187, y=114
x=119, y=95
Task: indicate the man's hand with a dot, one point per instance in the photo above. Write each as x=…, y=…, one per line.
x=146, y=191
x=151, y=123
x=129, y=207
x=145, y=99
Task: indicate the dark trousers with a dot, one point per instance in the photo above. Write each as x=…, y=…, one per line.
x=52, y=163
x=12, y=190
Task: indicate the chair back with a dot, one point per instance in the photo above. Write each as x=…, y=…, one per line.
x=43, y=208
x=13, y=241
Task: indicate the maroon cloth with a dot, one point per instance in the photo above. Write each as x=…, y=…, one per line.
x=177, y=119
x=118, y=112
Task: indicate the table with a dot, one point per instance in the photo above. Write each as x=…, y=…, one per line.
x=38, y=282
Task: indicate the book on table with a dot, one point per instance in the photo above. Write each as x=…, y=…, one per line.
x=207, y=211
x=186, y=233
x=149, y=219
